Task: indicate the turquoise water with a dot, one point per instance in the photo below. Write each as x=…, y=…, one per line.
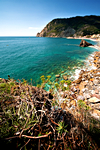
x=30, y=58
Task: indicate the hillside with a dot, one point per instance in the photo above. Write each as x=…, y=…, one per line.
x=87, y=25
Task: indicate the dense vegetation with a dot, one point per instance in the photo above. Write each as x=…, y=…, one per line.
x=30, y=118
x=87, y=25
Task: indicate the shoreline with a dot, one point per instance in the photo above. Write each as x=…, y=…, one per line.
x=85, y=87
x=87, y=65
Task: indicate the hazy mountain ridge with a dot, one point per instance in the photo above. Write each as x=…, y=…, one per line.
x=74, y=26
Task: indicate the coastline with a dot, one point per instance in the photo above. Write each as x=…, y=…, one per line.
x=88, y=64
x=85, y=87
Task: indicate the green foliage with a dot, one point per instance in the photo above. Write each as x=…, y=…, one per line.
x=19, y=115
x=42, y=78
x=39, y=134
x=61, y=128
x=87, y=25
x=14, y=123
x=62, y=84
x=38, y=85
x=65, y=88
x=56, y=85
x=55, y=103
x=5, y=87
x=68, y=82
x=14, y=117
x=90, y=30
x=62, y=81
x=24, y=82
x=48, y=79
x=82, y=105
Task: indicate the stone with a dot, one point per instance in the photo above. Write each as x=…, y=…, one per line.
x=96, y=111
x=56, y=79
x=98, y=62
x=84, y=43
x=65, y=77
x=96, y=95
x=75, y=67
x=92, y=79
x=95, y=81
x=80, y=97
x=81, y=72
x=73, y=89
x=94, y=100
x=84, y=90
x=71, y=98
x=78, y=80
x=91, y=83
x=90, y=64
x=57, y=76
x=73, y=102
x=82, y=85
x=96, y=91
x=63, y=105
x=96, y=114
x=92, y=92
x=87, y=95
x=89, y=87
x=74, y=96
x=95, y=106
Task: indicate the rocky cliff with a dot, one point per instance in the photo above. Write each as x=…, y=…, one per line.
x=74, y=26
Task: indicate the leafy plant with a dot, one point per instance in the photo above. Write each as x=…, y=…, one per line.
x=61, y=128
x=68, y=82
x=42, y=78
x=56, y=85
x=62, y=81
x=39, y=134
x=82, y=105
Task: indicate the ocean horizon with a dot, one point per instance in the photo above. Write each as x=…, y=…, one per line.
x=30, y=57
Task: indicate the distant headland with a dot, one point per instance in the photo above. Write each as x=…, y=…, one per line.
x=72, y=27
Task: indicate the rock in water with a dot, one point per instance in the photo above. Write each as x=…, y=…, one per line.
x=84, y=43
x=65, y=77
x=57, y=76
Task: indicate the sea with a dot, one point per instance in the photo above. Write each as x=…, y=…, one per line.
x=31, y=57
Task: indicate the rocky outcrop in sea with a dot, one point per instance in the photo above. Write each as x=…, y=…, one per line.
x=85, y=43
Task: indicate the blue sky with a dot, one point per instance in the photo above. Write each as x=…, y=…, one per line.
x=27, y=17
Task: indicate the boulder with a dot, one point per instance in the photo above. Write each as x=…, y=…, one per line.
x=73, y=102
x=82, y=85
x=80, y=97
x=57, y=76
x=85, y=44
x=65, y=77
x=94, y=100
x=77, y=81
x=95, y=106
x=86, y=95
x=96, y=95
x=95, y=113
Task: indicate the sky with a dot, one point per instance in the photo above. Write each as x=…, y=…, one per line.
x=28, y=17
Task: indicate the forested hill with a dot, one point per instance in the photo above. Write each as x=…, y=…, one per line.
x=87, y=25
